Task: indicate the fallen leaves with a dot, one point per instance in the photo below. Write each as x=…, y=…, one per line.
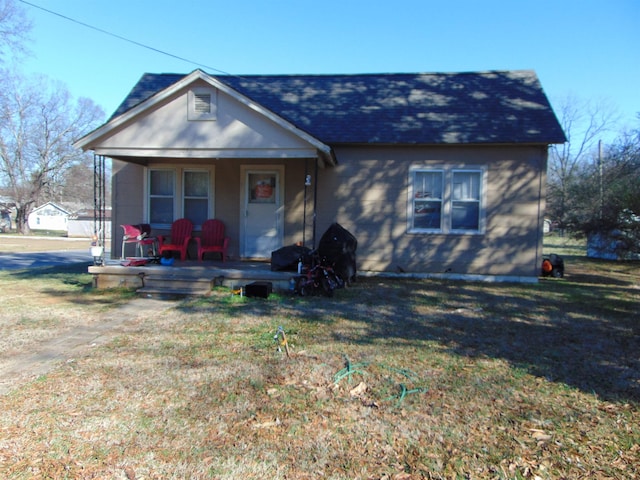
x=268, y=424
x=540, y=435
x=359, y=390
x=201, y=393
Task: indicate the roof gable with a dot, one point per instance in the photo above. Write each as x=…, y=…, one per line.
x=438, y=108
x=145, y=100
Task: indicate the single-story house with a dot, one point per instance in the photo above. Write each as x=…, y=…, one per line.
x=49, y=216
x=440, y=174
x=81, y=223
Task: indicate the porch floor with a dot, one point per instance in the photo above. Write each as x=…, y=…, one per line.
x=187, y=278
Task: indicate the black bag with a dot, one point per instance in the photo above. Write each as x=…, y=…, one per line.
x=339, y=247
x=286, y=258
x=258, y=289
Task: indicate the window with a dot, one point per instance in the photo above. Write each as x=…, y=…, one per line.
x=179, y=193
x=161, y=196
x=446, y=200
x=202, y=104
x=196, y=196
x=427, y=200
x=465, y=201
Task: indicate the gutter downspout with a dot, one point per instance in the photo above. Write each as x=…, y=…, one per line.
x=540, y=225
x=304, y=208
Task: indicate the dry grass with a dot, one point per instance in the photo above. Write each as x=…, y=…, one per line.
x=39, y=305
x=565, y=245
x=388, y=380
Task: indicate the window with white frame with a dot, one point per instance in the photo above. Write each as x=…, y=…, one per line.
x=179, y=193
x=162, y=187
x=427, y=199
x=196, y=195
x=446, y=200
x=465, y=200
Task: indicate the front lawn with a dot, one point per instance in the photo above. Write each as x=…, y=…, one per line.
x=387, y=380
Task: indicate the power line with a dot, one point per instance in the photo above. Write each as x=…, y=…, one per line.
x=119, y=37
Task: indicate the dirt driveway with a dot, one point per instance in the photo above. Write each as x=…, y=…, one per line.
x=67, y=343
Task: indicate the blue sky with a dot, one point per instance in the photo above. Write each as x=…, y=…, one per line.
x=588, y=49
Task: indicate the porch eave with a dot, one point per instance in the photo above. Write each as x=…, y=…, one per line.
x=140, y=155
x=206, y=153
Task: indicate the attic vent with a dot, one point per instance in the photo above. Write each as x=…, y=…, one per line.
x=202, y=103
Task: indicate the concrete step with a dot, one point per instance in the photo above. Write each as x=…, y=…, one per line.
x=176, y=285
x=169, y=293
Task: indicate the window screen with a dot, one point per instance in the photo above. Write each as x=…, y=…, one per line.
x=427, y=202
x=465, y=205
x=161, y=196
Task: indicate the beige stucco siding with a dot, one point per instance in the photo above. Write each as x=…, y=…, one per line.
x=127, y=196
x=367, y=193
x=369, y=197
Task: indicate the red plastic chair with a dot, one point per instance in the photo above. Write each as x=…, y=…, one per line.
x=180, y=237
x=212, y=239
x=140, y=235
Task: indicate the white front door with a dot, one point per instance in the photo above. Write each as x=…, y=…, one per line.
x=262, y=230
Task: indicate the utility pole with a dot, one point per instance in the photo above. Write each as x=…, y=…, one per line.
x=601, y=179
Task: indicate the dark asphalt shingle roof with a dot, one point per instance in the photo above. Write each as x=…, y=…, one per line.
x=436, y=108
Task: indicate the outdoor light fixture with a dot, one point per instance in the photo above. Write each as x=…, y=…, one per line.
x=97, y=251
x=97, y=254
x=307, y=181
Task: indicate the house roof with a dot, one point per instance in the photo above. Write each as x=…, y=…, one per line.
x=53, y=205
x=423, y=108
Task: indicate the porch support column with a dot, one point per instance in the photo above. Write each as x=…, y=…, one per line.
x=315, y=200
x=304, y=207
x=99, y=207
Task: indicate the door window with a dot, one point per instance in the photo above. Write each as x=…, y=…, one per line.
x=262, y=188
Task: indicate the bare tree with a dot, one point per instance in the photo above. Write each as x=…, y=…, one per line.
x=14, y=29
x=584, y=124
x=38, y=123
x=78, y=184
x=604, y=198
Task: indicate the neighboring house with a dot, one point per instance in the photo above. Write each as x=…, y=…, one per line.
x=7, y=207
x=48, y=217
x=82, y=223
x=432, y=173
